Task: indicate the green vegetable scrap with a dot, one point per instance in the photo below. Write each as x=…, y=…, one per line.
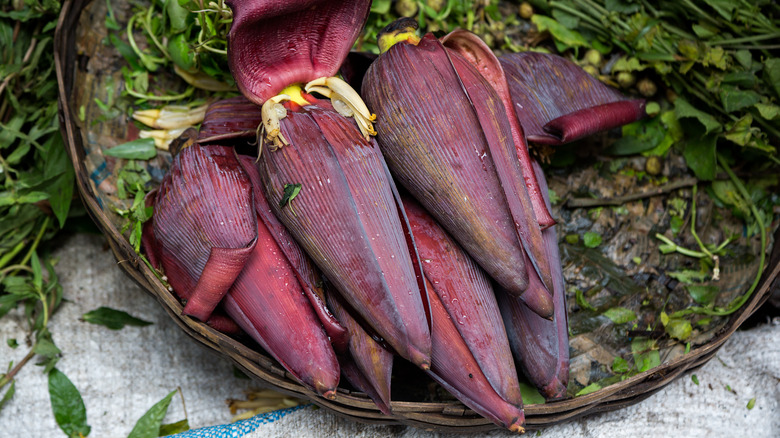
x=290, y=192
x=591, y=239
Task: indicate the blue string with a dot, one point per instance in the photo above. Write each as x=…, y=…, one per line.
x=239, y=428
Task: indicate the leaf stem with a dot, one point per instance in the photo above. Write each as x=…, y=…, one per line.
x=693, y=225
x=6, y=379
x=170, y=98
x=747, y=39
x=738, y=302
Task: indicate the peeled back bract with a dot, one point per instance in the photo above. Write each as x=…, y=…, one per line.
x=558, y=102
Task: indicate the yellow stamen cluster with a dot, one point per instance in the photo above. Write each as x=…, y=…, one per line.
x=272, y=113
x=346, y=101
x=171, y=116
x=169, y=122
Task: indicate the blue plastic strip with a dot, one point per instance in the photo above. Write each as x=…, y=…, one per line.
x=239, y=428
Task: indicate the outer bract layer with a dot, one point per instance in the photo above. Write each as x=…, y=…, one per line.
x=443, y=145
x=275, y=43
x=349, y=221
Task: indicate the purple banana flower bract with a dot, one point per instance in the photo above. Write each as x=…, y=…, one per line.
x=557, y=102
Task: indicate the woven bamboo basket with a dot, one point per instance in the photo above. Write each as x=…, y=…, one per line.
x=449, y=416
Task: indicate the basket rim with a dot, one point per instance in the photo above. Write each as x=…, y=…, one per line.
x=442, y=416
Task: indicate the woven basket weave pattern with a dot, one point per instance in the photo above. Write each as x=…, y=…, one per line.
x=442, y=416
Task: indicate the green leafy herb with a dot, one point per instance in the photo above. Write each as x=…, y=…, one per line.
x=141, y=149
x=695, y=379
x=112, y=318
x=712, y=57
x=751, y=403
x=148, y=426
x=36, y=177
x=67, y=405
x=12, y=343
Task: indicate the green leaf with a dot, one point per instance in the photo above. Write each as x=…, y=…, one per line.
x=620, y=366
x=591, y=239
x=112, y=318
x=745, y=58
x=703, y=31
x=67, y=405
x=8, y=394
x=691, y=50
x=678, y=328
x=380, y=7
x=664, y=318
x=772, y=74
x=700, y=153
x=751, y=403
x=177, y=16
x=726, y=192
x=60, y=189
x=184, y=425
x=148, y=426
x=768, y=111
x=35, y=264
x=702, y=294
x=593, y=387
x=290, y=192
x=180, y=52
x=685, y=110
x=741, y=131
x=12, y=343
x=140, y=149
x=723, y=7
x=676, y=223
x=531, y=395
x=582, y=302
x=638, y=137
x=734, y=99
x=645, y=352
x=46, y=348
x=568, y=38
x=716, y=57
x=620, y=315
x=695, y=379
x=630, y=64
